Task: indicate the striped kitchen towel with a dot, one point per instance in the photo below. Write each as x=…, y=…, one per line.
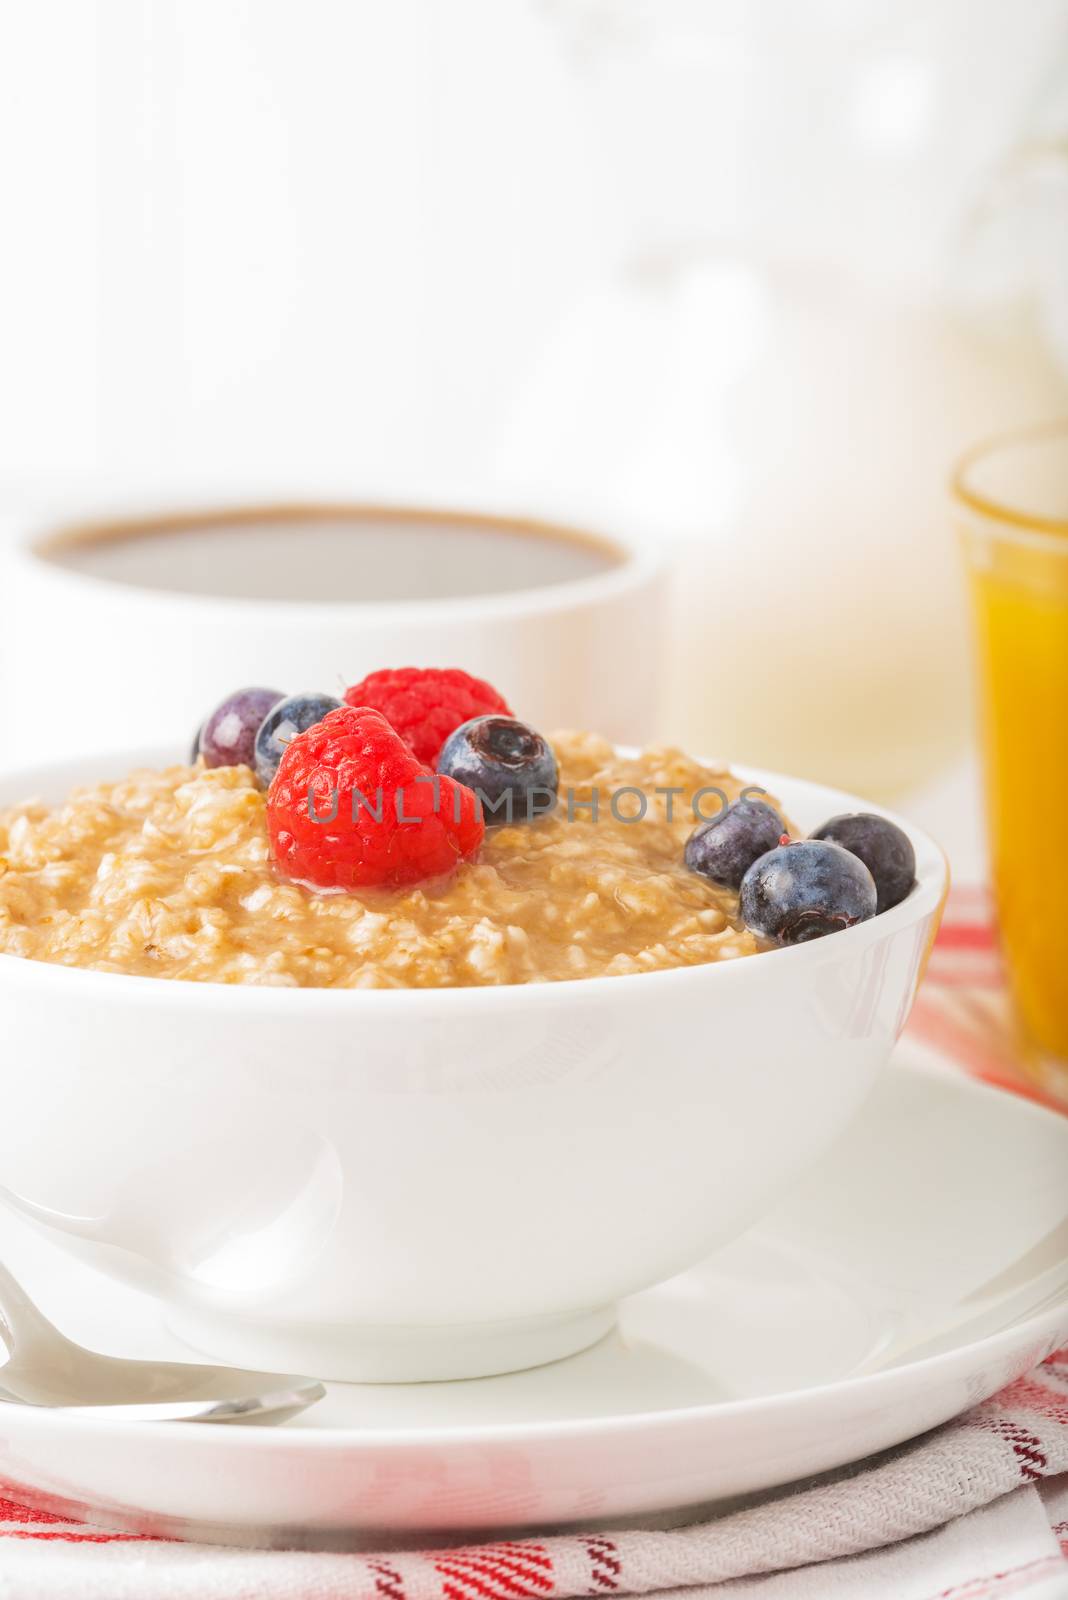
x=962, y=1010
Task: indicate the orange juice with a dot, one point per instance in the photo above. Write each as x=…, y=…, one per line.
x=1018, y=559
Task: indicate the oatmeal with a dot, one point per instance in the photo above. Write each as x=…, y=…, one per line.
x=168, y=874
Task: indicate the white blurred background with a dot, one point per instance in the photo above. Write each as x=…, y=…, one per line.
x=746, y=273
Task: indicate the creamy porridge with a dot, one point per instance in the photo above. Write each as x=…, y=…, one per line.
x=168, y=874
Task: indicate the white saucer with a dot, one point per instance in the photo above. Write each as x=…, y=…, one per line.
x=922, y=1267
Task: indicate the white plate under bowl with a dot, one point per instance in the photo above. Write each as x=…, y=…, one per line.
x=923, y=1265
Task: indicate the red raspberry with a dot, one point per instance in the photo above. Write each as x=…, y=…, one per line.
x=387, y=828
x=426, y=704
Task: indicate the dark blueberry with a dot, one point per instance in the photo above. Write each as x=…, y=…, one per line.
x=725, y=847
x=510, y=767
x=228, y=737
x=802, y=891
x=293, y=715
x=882, y=846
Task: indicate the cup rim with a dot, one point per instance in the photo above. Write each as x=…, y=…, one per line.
x=635, y=562
x=1018, y=526
x=926, y=899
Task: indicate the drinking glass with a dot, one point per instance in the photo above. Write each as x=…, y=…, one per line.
x=1011, y=502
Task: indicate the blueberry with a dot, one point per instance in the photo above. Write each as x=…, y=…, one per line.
x=227, y=738
x=883, y=847
x=511, y=768
x=725, y=847
x=293, y=715
x=802, y=891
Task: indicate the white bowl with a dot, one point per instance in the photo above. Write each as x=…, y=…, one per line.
x=387, y=1184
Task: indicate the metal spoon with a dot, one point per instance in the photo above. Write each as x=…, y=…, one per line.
x=47, y=1369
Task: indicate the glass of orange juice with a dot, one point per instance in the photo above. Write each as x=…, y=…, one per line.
x=1011, y=499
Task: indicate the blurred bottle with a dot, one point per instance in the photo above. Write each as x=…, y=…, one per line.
x=794, y=350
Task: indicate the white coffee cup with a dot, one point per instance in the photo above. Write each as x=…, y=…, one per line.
x=128, y=630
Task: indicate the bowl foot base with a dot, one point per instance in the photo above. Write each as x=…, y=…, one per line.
x=382, y=1354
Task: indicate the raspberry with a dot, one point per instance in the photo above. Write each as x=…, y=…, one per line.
x=377, y=824
x=426, y=704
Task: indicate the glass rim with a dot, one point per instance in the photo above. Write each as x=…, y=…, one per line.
x=1028, y=527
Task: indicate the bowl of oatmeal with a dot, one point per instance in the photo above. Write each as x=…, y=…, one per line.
x=422, y=1130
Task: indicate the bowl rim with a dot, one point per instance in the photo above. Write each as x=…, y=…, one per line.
x=925, y=901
